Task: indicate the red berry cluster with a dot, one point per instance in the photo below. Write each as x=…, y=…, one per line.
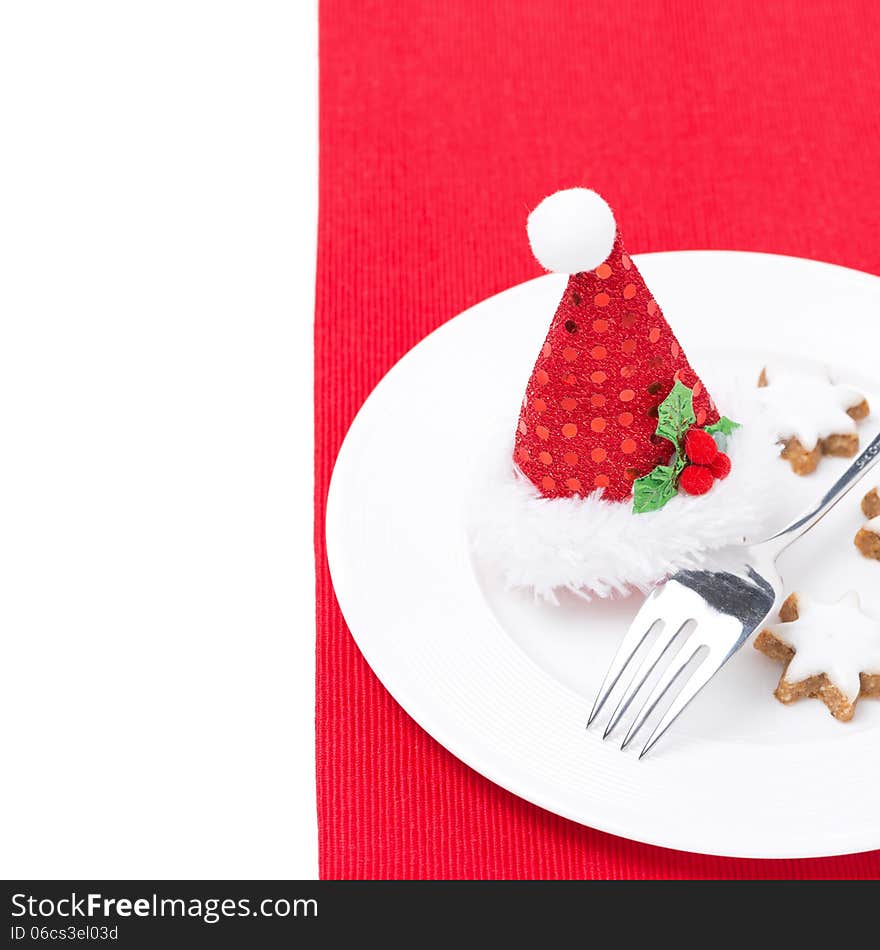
x=706, y=463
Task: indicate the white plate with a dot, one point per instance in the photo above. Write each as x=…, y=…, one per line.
x=505, y=683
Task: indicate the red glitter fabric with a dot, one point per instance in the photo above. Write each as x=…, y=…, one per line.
x=590, y=410
x=743, y=124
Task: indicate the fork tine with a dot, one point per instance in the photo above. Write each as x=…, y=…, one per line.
x=642, y=625
x=698, y=679
x=664, y=641
x=667, y=678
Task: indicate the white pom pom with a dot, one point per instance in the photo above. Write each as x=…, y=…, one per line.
x=572, y=231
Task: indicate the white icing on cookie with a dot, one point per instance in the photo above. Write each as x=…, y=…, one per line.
x=838, y=640
x=873, y=525
x=807, y=406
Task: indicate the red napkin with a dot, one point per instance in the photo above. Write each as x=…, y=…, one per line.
x=746, y=125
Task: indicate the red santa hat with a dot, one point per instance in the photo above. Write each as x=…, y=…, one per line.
x=590, y=414
x=620, y=471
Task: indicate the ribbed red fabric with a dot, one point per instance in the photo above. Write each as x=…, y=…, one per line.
x=746, y=125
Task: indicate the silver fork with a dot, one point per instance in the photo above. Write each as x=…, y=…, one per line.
x=725, y=602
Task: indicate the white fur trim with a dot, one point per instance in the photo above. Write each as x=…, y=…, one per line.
x=599, y=548
x=572, y=231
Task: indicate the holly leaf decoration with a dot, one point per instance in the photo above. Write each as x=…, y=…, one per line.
x=723, y=425
x=675, y=415
x=652, y=491
x=678, y=462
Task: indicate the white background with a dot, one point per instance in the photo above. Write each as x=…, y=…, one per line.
x=157, y=218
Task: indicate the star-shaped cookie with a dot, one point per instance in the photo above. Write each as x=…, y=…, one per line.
x=831, y=652
x=813, y=416
x=868, y=538
x=871, y=503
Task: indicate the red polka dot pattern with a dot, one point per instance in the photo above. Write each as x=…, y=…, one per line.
x=608, y=361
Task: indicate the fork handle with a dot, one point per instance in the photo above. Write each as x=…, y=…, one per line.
x=854, y=474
